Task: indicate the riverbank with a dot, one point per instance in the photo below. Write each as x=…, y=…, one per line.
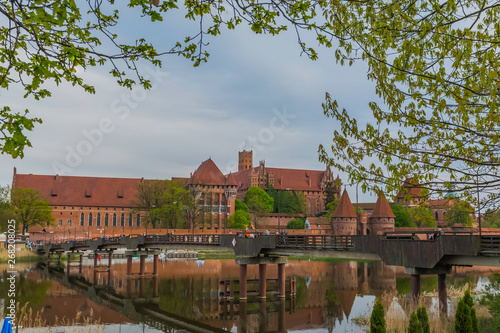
x=24, y=255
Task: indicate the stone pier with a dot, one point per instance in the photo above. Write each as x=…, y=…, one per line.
x=441, y=272
x=262, y=262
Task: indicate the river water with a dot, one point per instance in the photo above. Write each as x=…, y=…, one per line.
x=185, y=296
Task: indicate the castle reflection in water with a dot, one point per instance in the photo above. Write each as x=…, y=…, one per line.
x=326, y=293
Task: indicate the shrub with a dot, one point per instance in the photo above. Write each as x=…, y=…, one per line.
x=463, y=320
x=377, y=319
x=415, y=324
x=424, y=319
x=469, y=301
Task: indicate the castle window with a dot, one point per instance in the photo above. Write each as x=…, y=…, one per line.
x=98, y=222
x=69, y=223
x=122, y=220
x=114, y=219
x=82, y=219
x=130, y=220
x=106, y=219
x=138, y=220
x=59, y=222
x=90, y=219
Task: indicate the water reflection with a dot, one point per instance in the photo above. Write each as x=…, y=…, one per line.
x=185, y=295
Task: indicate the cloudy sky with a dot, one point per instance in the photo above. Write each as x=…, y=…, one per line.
x=256, y=91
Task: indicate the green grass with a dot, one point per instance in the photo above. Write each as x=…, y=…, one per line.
x=25, y=255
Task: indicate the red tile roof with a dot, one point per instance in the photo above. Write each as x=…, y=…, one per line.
x=382, y=208
x=208, y=174
x=82, y=191
x=344, y=207
x=293, y=179
x=230, y=180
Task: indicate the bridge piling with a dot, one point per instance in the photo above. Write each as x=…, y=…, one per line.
x=281, y=280
x=80, y=267
x=142, y=264
x=262, y=280
x=243, y=282
x=155, y=264
x=415, y=288
x=443, y=297
x=129, y=265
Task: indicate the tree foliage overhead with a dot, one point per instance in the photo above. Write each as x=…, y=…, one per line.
x=435, y=69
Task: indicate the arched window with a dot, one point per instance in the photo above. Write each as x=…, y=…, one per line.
x=130, y=220
x=138, y=220
x=436, y=215
x=106, y=220
x=114, y=219
x=122, y=220
x=82, y=219
x=98, y=223
x=90, y=219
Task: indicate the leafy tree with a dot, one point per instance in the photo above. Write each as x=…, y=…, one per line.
x=460, y=213
x=424, y=319
x=6, y=211
x=330, y=208
x=259, y=204
x=463, y=319
x=415, y=325
x=164, y=201
x=491, y=219
x=239, y=205
x=194, y=206
x=421, y=217
x=296, y=223
x=402, y=216
x=288, y=202
x=330, y=193
x=239, y=220
x=377, y=319
x=30, y=208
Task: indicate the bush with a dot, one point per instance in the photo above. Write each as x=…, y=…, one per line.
x=470, y=303
x=463, y=320
x=415, y=324
x=377, y=319
x=424, y=319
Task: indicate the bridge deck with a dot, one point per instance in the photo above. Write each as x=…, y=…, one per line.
x=400, y=249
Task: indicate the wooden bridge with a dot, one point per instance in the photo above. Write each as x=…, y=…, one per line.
x=414, y=251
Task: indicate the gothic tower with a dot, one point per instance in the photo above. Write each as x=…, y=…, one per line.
x=245, y=160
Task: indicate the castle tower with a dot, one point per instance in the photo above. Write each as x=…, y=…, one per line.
x=245, y=160
x=344, y=217
x=382, y=217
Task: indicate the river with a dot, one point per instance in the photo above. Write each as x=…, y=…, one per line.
x=185, y=296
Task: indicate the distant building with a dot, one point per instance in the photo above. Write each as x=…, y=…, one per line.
x=310, y=182
x=216, y=193
x=86, y=204
x=347, y=222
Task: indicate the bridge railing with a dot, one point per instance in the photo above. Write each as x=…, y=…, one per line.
x=315, y=241
x=183, y=239
x=490, y=244
x=111, y=240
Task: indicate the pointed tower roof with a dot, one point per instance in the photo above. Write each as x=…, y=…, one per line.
x=208, y=174
x=344, y=207
x=382, y=208
x=230, y=180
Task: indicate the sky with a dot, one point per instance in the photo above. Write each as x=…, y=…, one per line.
x=256, y=92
